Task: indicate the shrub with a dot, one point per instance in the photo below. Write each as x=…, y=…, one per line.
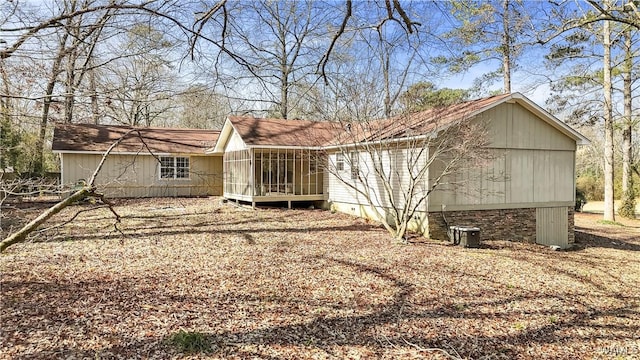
x=591, y=186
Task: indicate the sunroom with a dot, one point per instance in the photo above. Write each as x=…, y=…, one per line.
x=273, y=160
x=273, y=175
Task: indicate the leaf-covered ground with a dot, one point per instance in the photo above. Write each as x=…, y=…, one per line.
x=306, y=284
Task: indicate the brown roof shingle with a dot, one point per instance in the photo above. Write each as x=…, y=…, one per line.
x=304, y=133
x=283, y=132
x=98, y=138
x=426, y=121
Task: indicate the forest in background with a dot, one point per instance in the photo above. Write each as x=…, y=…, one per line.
x=171, y=63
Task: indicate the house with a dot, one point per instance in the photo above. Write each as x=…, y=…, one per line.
x=147, y=162
x=525, y=192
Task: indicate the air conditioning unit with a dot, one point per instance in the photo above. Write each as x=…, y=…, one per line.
x=465, y=236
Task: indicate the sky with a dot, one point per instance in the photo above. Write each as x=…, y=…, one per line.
x=529, y=77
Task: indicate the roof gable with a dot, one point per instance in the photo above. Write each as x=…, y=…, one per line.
x=98, y=138
x=277, y=132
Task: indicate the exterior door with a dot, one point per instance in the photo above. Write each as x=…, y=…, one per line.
x=552, y=226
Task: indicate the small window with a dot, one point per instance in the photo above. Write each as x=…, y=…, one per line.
x=340, y=161
x=174, y=167
x=354, y=165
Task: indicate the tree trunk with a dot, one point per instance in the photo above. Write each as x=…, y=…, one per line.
x=38, y=167
x=284, y=73
x=5, y=102
x=609, y=208
x=627, y=209
x=95, y=110
x=284, y=97
x=69, y=95
x=5, y=107
x=387, y=86
x=506, y=48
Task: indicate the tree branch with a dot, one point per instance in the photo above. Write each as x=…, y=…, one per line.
x=325, y=58
x=89, y=189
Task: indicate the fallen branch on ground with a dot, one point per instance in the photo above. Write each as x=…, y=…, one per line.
x=88, y=190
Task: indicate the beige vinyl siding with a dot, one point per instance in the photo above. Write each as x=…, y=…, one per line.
x=345, y=199
x=533, y=164
x=511, y=126
x=138, y=175
x=551, y=226
x=340, y=185
x=513, y=177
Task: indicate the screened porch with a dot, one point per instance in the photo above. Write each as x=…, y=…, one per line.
x=273, y=175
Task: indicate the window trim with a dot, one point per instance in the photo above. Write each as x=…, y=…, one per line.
x=355, y=166
x=340, y=161
x=174, y=168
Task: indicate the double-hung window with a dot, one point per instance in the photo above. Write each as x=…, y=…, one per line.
x=340, y=161
x=354, y=165
x=174, y=167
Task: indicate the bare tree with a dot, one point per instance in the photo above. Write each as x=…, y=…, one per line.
x=86, y=34
x=75, y=38
x=392, y=166
x=609, y=196
x=627, y=208
x=399, y=59
x=202, y=108
x=139, y=84
x=280, y=42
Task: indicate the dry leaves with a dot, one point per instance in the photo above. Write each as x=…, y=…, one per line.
x=275, y=283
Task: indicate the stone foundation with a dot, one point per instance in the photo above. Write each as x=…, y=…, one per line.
x=505, y=224
x=572, y=227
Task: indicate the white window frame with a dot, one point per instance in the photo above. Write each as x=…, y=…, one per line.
x=172, y=163
x=340, y=161
x=355, y=169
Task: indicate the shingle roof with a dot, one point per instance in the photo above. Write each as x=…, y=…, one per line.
x=283, y=132
x=304, y=133
x=426, y=121
x=418, y=123
x=414, y=124
x=98, y=138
